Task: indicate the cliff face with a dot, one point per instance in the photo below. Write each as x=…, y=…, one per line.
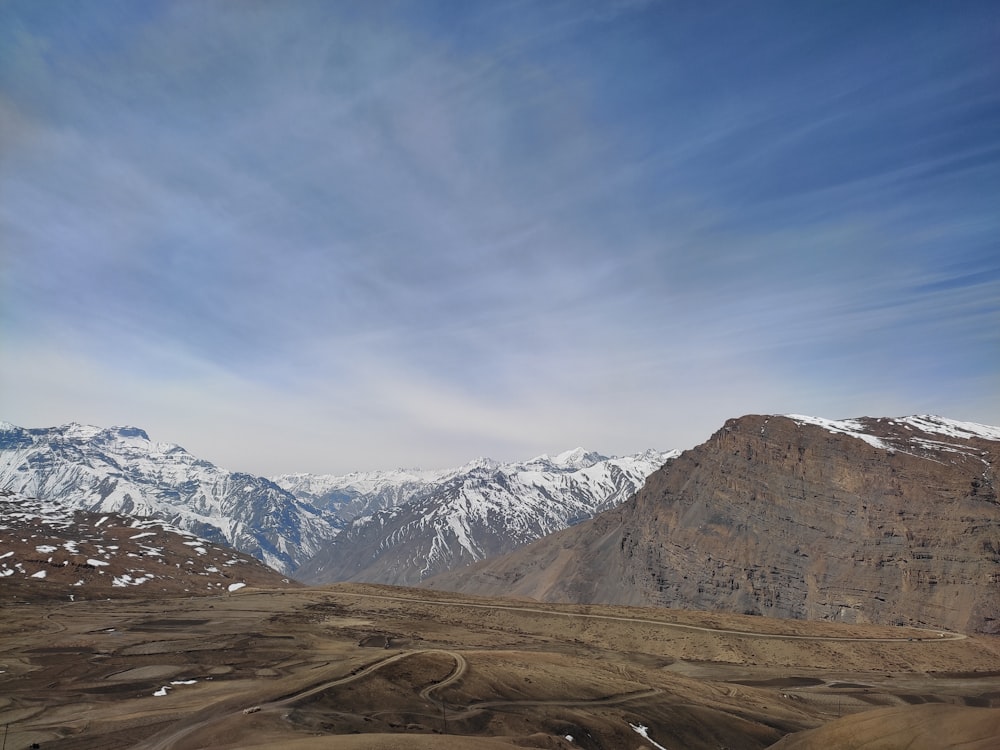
x=870, y=520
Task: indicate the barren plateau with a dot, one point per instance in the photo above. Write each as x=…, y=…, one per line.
x=379, y=667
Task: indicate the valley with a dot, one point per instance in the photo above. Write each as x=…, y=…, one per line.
x=793, y=582
x=385, y=667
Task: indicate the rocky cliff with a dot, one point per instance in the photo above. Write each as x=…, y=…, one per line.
x=892, y=521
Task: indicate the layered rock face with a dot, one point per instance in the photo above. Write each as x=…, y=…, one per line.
x=890, y=521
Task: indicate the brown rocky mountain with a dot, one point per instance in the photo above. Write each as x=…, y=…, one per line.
x=47, y=551
x=887, y=521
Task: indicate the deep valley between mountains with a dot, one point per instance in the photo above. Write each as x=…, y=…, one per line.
x=793, y=582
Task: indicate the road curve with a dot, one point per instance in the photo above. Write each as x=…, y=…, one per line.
x=461, y=665
x=168, y=741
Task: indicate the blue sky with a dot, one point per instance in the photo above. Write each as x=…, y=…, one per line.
x=327, y=236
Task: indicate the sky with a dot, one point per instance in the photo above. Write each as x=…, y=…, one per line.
x=336, y=236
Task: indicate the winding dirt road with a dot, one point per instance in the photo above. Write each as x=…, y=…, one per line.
x=461, y=666
x=169, y=740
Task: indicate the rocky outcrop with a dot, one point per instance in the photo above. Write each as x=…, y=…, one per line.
x=891, y=521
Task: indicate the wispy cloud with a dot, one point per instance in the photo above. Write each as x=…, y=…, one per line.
x=418, y=231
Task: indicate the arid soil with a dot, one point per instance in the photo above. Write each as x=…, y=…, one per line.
x=382, y=667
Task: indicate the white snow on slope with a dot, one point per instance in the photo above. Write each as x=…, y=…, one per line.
x=909, y=439
x=38, y=526
x=841, y=426
x=120, y=470
x=643, y=732
x=486, y=508
x=952, y=427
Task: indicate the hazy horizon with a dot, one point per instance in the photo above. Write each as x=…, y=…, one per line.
x=328, y=237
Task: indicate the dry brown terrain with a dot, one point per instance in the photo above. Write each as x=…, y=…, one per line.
x=381, y=667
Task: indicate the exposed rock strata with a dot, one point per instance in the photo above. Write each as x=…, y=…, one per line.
x=872, y=520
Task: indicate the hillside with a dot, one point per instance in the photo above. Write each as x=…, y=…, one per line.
x=890, y=521
x=49, y=553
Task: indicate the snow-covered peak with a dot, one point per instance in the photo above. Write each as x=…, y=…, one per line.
x=472, y=513
x=482, y=462
x=78, y=431
x=119, y=470
x=578, y=458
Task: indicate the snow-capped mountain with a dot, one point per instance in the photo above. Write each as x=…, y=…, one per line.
x=483, y=509
x=436, y=519
x=120, y=470
x=362, y=493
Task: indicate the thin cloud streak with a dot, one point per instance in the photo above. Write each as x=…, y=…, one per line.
x=419, y=232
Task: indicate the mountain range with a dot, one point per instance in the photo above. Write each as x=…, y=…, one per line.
x=886, y=521
x=120, y=470
x=482, y=510
x=424, y=521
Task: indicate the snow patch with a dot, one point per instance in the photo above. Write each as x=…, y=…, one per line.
x=236, y=587
x=643, y=732
x=850, y=427
x=952, y=427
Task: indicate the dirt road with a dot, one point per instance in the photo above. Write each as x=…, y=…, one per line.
x=932, y=635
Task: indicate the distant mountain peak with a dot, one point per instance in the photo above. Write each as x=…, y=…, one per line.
x=119, y=470
x=482, y=462
x=579, y=458
x=576, y=458
x=482, y=509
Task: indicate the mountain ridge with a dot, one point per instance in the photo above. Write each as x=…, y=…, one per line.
x=286, y=520
x=881, y=520
x=484, y=510
x=120, y=470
